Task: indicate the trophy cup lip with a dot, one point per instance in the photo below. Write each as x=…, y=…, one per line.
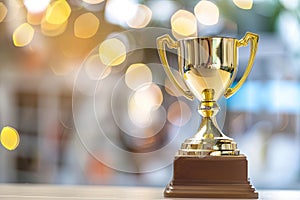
x=207, y=37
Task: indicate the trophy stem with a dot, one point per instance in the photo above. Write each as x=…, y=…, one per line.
x=209, y=139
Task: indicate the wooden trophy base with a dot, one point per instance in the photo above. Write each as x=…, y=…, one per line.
x=211, y=177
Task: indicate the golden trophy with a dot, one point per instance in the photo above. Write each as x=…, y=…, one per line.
x=209, y=165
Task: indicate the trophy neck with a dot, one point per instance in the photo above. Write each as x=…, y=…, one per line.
x=209, y=130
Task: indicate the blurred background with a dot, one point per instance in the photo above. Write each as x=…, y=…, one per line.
x=82, y=83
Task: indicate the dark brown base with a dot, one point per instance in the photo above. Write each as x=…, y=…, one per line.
x=211, y=177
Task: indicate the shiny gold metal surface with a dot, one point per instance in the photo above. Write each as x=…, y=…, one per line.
x=208, y=67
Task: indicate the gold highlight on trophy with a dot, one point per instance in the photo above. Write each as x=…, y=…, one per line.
x=209, y=164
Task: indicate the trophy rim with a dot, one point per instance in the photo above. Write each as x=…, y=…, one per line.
x=207, y=37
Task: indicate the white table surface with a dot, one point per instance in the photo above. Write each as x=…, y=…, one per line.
x=57, y=192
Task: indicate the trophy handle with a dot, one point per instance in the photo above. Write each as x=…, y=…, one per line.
x=253, y=38
x=161, y=44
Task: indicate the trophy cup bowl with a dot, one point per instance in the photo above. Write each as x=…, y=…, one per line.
x=208, y=67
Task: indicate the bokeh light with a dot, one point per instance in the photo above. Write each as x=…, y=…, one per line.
x=184, y=24
x=112, y=52
x=179, y=113
x=34, y=6
x=145, y=123
x=148, y=97
x=93, y=1
x=207, y=12
x=10, y=138
x=23, y=35
x=86, y=25
x=95, y=69
x=243, y=4
x=119, y=12
x=137, y=75
x=141, y=18
x=138, y=116
x=3, y=11
x=58, y=12
x=52, y=30
x=34, y=18
x=143, y=103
